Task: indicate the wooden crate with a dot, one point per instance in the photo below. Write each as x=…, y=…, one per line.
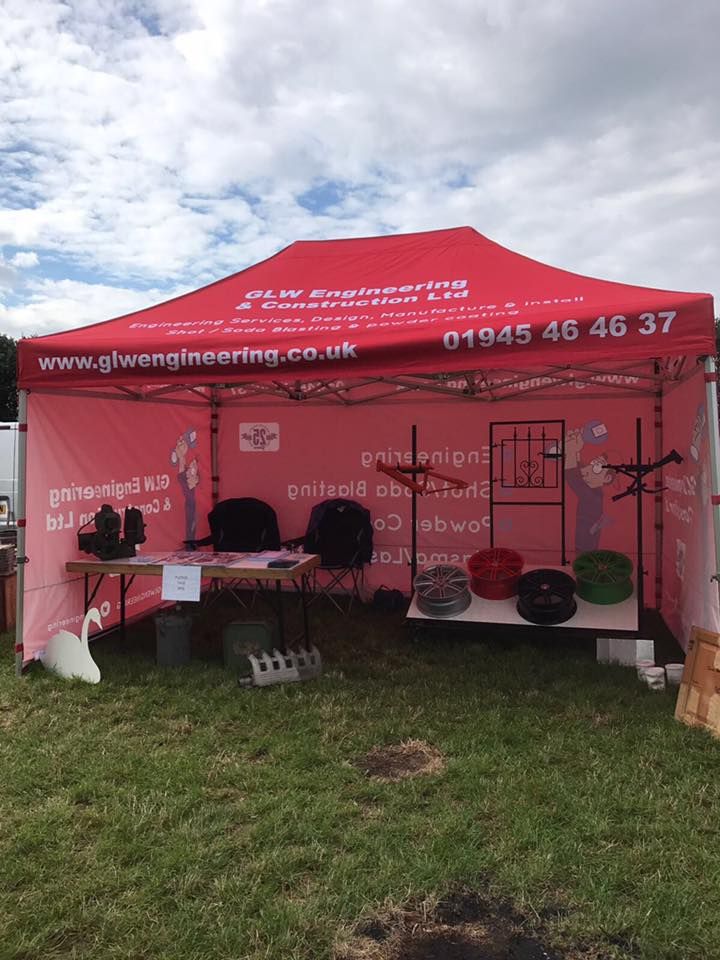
x=8, y=593
x=698, y=702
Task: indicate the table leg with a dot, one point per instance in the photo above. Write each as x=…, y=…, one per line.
x=125, y=585
x=280, y=615
x=89, y=597
x=122, y=607
x=303, y=601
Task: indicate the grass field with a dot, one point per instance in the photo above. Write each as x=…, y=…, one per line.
x=171, y=814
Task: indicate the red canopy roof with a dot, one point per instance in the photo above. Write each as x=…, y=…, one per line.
x=441, y=301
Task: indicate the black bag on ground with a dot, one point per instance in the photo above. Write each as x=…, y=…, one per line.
x=388, y=600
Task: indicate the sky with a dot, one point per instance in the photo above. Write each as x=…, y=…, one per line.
x=149, y=147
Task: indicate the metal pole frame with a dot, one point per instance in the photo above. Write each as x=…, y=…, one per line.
x=713, y=425
x=659, y=500
x=639, y=518
x=20, y=520
x=413, y=512
x=214, y=430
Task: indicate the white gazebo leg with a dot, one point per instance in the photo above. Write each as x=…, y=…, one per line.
x=714, y=444
x=20, y=519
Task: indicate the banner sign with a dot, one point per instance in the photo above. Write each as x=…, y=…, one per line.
x=324, y=452
x=155, y=458
x=442, y=301
x=690, y=597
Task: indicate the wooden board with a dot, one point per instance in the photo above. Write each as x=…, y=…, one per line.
x=698, y=702
x=8, y=594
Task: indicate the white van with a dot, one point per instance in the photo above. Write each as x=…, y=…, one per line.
x=8, y=473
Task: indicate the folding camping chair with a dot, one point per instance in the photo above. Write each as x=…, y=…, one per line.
x=340, y=531
x=241, y=524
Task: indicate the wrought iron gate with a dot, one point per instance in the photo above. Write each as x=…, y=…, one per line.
x=528, y=456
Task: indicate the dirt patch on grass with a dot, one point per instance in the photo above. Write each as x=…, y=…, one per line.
x=400, y=761
x=462, y=926
x=7, y=717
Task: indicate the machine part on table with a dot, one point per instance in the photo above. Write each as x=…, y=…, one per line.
x=495, y=573
x=603, y=576
x=442, y=590
x=546, y=597
x=278, y=667
x=105, y=542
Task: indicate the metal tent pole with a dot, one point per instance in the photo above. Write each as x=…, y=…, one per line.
x=214, y=429
x=659, y=502
x=20, y=520
x=714, y=445
x=413, y=520
x=639, y=508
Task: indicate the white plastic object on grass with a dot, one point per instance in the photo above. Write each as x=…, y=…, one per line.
x=69, y=655
x=624, y=650
x=277, y=667
x=641, y=666
x=655, y=678
x=674, y=673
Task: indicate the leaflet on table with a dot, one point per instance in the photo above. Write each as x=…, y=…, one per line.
x=145, y=559
x=203, y=559
x=256, y=561
x=208, y=559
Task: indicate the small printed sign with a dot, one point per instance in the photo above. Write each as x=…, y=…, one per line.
x=181, y=582
x=260, y=437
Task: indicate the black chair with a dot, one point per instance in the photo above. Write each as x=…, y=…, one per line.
x=241, y=524
x=341, y=532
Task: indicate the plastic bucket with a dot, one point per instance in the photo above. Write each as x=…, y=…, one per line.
x=641, y=666
x=654, y=677
x=172, y=638
x=674, y=673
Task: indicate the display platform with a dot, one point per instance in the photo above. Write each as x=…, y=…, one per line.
x=609, y=618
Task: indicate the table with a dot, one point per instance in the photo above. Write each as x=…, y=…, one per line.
x=214, y=566
x=611, y=618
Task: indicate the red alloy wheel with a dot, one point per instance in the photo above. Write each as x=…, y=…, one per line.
x=494, y=573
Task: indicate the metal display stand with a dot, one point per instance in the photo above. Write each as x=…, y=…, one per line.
x=637, y=472
x=410, y=476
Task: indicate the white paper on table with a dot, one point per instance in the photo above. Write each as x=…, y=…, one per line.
x=181, y=582
x=259, y=560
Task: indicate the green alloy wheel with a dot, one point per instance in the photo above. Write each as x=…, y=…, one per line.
x=603, y=576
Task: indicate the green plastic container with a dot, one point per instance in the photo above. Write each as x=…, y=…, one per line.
x=243, y=637
x=172, y=637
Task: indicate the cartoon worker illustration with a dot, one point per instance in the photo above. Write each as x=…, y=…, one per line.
x=698, y=433
x=588, y=482
x=188, y=478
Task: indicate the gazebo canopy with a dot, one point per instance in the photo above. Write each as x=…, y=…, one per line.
x=334, y=315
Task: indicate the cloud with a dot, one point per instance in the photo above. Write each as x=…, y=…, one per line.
x=25, y=259
x=52, y=305
x=167, y=144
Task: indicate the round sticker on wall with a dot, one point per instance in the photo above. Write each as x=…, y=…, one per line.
x=595, y=431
